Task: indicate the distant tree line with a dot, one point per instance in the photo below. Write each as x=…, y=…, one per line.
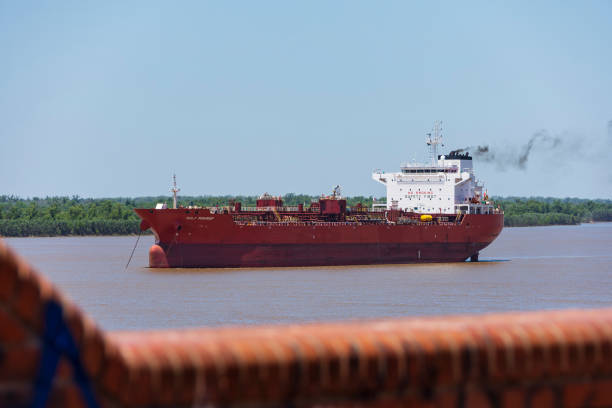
x=56, y=216
x=520, y=212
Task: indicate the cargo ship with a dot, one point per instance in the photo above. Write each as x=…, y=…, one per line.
x=434, y=212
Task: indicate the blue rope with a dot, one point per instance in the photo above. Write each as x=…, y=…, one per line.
x=57, y=342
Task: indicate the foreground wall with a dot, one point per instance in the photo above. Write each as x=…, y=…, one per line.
x=52, y=355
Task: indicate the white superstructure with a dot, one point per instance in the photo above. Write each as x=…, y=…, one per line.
x=445, y=186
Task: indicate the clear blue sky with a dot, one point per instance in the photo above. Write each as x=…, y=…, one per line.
x=110, y=98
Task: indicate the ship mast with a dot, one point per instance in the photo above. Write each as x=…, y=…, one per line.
x=174, y=190
x=433, y=140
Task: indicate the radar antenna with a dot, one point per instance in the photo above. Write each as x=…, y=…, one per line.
x=174, y=190
x=337, y=192
x=433, y=140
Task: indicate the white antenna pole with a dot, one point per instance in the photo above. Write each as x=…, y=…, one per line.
x=174, y=190
x=433, y=140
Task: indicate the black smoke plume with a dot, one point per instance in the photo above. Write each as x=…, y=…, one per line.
x=512, y=157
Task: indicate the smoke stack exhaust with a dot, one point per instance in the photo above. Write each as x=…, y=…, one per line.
x=515, y=159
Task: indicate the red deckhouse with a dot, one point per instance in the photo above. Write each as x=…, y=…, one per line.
x=434, y=213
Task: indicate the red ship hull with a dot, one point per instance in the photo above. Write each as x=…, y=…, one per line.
x=197, y=238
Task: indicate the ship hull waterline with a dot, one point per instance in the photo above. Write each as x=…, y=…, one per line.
x=286, y=255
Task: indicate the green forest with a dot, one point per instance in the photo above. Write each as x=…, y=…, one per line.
x=57, y=216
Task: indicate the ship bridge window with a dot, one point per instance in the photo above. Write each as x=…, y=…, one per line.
x=421, y=171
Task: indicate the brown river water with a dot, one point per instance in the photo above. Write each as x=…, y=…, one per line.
x=524, y=269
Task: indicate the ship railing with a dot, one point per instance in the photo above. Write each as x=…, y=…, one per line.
x=279, y=209
x=218, y=209
x=302, y=223
x=334, y=223
x=475, y=208
x=378, y=209
x=432, y=222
